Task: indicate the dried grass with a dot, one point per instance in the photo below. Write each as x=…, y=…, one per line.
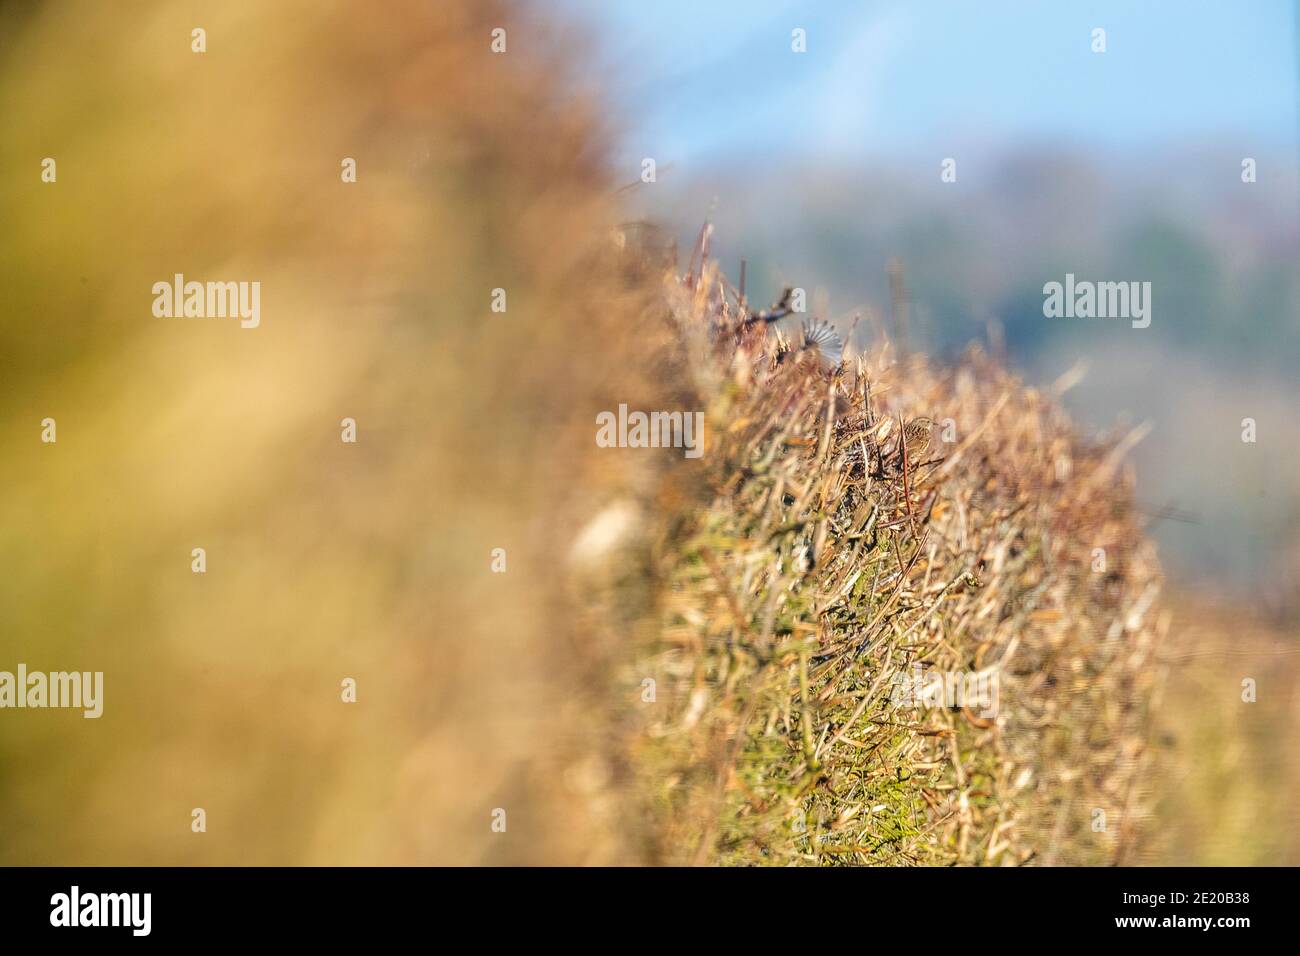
x=828, y=562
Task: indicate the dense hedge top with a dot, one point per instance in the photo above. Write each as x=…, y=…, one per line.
x=836, y=567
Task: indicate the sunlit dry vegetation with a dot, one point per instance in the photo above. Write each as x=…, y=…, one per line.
x=684, y=661
x=834, y=559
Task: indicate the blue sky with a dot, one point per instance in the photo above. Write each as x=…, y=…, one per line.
x=696, y=81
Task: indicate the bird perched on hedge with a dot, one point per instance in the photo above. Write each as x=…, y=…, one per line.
x=820, y=335
x=917, y=435
x=816, y=337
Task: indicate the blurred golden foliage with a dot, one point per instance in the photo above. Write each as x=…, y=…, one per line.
x=326, y=560
x=1224, y=738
